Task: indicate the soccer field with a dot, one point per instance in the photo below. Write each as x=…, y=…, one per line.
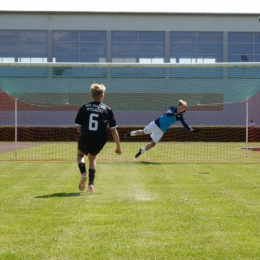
x=164, y=152
x=140, y=210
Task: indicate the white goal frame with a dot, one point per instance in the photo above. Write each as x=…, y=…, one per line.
x=223, y=65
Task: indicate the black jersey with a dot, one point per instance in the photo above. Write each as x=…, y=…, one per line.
x=94, y=118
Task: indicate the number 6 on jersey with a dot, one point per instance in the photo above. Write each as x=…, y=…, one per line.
x=93, y=124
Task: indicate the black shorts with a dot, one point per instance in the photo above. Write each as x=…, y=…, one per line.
x=91, y=145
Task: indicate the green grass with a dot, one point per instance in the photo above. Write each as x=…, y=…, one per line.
x=140, y=210
x=163, y=152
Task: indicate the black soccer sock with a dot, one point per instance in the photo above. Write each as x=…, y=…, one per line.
x=91, y=176
x=82, y=168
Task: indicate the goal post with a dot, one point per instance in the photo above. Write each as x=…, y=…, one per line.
x=246, y=123
x=39, y=102
x=15, y=127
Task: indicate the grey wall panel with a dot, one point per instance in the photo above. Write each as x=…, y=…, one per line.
x=128, y=21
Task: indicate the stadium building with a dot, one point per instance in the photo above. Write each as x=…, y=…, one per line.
x=128, y=37
x=135, y=38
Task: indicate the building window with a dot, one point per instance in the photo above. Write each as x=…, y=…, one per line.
x=244, y=47
x=138, y=47
x=79, y=46
x=196, y=47
x=23, y=46
x=257, y=47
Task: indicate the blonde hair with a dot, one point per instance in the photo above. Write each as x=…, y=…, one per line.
x=182, y=103
x=97, y=90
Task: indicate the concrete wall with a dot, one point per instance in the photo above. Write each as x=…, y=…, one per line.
x=129, y=21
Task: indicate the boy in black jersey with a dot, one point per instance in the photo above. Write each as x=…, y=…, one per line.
x=92, y=121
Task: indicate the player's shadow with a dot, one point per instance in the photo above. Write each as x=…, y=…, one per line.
x=61, y=194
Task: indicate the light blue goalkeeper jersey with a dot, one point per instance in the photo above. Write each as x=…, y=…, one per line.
x=169, y=118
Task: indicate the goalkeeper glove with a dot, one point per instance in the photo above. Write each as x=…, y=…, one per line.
x=195, y=131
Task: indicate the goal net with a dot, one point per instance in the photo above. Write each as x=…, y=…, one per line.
x=39, y=103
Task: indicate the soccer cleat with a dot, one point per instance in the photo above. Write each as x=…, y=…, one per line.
x=82, y=183
x=91, y=188
x=127, y=135
x=138, y=154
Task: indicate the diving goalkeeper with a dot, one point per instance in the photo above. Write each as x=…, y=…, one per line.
x=159, y=126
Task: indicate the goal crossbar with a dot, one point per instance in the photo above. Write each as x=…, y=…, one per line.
x=133, y=65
